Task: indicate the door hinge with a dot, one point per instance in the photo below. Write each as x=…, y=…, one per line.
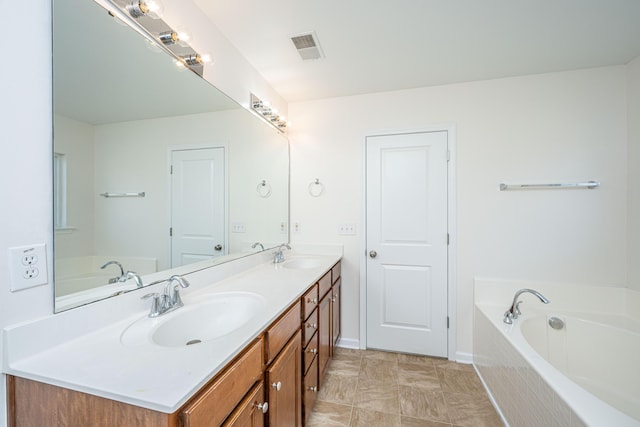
x=170, y=231
x=447, y=238
x=171, y=170
x=448, y=156
x=447, y=322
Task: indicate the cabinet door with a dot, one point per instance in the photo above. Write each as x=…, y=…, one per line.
x=310, y=390
x=250, y=412
x=335, y=314
x=284, y=386
x=324, y=336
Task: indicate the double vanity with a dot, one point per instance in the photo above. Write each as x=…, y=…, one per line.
x=250, y=346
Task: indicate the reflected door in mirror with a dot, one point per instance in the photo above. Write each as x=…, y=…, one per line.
x=197, y=205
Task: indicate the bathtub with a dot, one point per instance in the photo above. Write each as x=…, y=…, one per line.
x=583, y=374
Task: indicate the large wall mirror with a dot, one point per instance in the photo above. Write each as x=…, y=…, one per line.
x=155, y=171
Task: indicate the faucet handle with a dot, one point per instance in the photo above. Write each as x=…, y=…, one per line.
x=155, y=303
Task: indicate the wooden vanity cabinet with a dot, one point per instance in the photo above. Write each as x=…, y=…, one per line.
x=284, y=381
x=310, y=323
x=216, y=401
x=329, y=319
x=283, y=368
x=250, y=412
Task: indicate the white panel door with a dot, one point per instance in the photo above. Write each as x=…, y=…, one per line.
x=197, y=205
x=406, y=232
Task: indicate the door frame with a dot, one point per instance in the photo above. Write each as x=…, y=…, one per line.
x=181, y=147
x=452, y=230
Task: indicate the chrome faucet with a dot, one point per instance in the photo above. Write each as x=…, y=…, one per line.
x=131, y=275
x=170, y=299
x=278, y=256
x=514, y=310
x=114, y=279
x=256, y=244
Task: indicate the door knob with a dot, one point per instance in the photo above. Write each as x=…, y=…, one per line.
x=264, y=407
x=218, y=247
x=373, y=254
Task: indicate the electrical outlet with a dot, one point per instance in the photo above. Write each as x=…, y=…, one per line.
x=347, y=229
x=283, y=227
x=28, y=266
x=296, y=227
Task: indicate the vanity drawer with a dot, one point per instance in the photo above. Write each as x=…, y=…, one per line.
x=221, y=397
x=309, y=301
x=310, y=352
x=310, y=389
x=324, y=284
x=309, y=327
x=279, y=333
x=336, y=271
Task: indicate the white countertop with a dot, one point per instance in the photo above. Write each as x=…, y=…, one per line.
x=94, y=360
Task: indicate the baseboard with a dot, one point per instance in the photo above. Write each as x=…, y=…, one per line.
x=349, y=343
x=461, y=357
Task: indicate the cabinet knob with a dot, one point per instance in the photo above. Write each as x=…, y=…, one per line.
x=313, y=389
x=333, y=299
x=312, y=325
x=313, y=350
x=312, y=300
x=277, y=385
x=264, y=407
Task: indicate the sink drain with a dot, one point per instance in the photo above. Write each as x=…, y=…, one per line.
x=191, y=342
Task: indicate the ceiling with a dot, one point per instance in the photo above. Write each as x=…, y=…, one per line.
x=382, y=45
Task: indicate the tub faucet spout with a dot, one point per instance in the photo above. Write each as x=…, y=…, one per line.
x=514, y=311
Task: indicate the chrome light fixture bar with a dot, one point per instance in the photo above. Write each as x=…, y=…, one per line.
x=264, y=110
x=145, y=17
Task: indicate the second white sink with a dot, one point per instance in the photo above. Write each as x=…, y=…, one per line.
x=213, y=318
x=302, y=263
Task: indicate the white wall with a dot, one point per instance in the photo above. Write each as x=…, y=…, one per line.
x=25, y=142
x=545, y=128
x=26, y=128
x=633, y=160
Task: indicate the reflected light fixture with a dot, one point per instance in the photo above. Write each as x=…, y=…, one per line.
x=270, y=115
x=172, y=37
x=140, y=8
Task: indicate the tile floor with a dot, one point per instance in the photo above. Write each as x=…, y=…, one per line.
x=374, y=388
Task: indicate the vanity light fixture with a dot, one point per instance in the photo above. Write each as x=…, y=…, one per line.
x=140, y=8
x=172, y=37
x=195, y=59
x=270, y=115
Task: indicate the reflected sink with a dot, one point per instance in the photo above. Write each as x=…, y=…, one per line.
x=302, y=263
x=218, y=315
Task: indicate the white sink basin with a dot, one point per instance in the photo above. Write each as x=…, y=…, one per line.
x=215, y=317
x=302, y=263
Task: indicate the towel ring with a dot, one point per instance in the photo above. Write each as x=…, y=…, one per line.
x=263, y=189
x=316, y=188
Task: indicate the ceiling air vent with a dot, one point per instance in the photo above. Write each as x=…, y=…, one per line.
x=307, y=45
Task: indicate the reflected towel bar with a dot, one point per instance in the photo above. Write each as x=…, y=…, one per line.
x=589, y=184
x=140, y=194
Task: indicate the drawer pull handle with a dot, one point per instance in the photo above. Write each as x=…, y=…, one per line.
x=312, y=325
x=264, y=407
x=313, y=389
x=277, y=385
x=313, y=301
